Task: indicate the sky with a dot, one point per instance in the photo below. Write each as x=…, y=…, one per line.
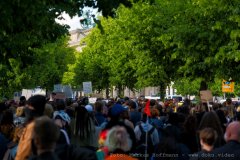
x=74, y=22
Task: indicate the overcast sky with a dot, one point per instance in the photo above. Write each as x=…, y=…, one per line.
x=74, y=22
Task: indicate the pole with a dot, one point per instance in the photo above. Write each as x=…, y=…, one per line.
x=146, y=140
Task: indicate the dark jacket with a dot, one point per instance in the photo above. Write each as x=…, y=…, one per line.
x=230, y=151
x=73, y=152
x=45, y=156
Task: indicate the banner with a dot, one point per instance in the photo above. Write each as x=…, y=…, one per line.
x=206, y=96
x=227, y=86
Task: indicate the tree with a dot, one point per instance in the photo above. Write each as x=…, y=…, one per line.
x=26, y=27
x=48, y=65
x=204, y=31
x=156, y=43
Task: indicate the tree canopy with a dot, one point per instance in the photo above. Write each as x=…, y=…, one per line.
x=152, y=44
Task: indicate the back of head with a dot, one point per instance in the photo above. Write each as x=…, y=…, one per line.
x=132, y=104
x=98, y=106
x=45, y=133
x=22, y=101
x=60, y=104
x=232, y=132
x=208, y=136
x=152, y=102
x=48, y=111
x=154, y=113
x=38, y=103
x=228, y=101
x=7, y=118
x=211, y=120
x=118, y=139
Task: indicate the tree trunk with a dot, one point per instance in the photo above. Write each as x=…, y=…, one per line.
x=162, y=91
x=107, y=92
x=203, y=85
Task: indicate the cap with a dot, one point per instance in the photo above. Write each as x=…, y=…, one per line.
x=117, y=109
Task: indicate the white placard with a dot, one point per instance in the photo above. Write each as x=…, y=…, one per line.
x=27, y=93
x=87, y=87
x=68, y=91
x=58, y=88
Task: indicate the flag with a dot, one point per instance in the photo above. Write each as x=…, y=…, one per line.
x=147, y=108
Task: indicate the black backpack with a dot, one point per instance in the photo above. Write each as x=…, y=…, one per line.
x=142, y=142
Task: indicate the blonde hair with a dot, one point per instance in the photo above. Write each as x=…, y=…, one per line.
x=19, y=111
x=118, y=138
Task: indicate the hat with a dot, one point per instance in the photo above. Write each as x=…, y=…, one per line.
x=117, y=109
x=89, y=108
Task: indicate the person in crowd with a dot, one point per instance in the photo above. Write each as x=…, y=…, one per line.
x=172, y=135
x=85, y=129
x=152, y=136
x=135, y=116
x=48, y=111
x=172, y=127
x=7, y=124
x=100, y=118
x=238, y=114
x=208, y=137
x=116, y=117
x=69, y=108
x=10, y=154
x=3, y=140
x=62, y=120
x=189, y=134
x=231, y=150
x=45, y=136
x=211, y=120
x=119, y=113
x=22, y=101
x=230, y=109
x=155, y=118
x=19, y=118
x=7, y=127
x=34, y=108
x=222, y=118
x=119, y=144
x=3, y=146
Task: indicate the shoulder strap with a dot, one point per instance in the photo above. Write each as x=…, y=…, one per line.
x=151, y=130
x=65, y=135
x=141, y=128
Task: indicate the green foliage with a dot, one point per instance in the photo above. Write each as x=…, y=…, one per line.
x=152, y=44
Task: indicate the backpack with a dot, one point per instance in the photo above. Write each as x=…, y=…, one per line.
x=142, y=142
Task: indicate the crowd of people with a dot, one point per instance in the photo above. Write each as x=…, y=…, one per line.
x=60, y=129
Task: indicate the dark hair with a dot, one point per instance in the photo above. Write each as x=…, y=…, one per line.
x=144, y=117
x=208, y=136
x=22, y=101
x=210, y=119
x=190, y=124
x=46, y=131
x=60, y=104
x=132, y=104
x=84, y=122
x=152, y=102
x=38, y=103
x=7, y=117
x=98, y=106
